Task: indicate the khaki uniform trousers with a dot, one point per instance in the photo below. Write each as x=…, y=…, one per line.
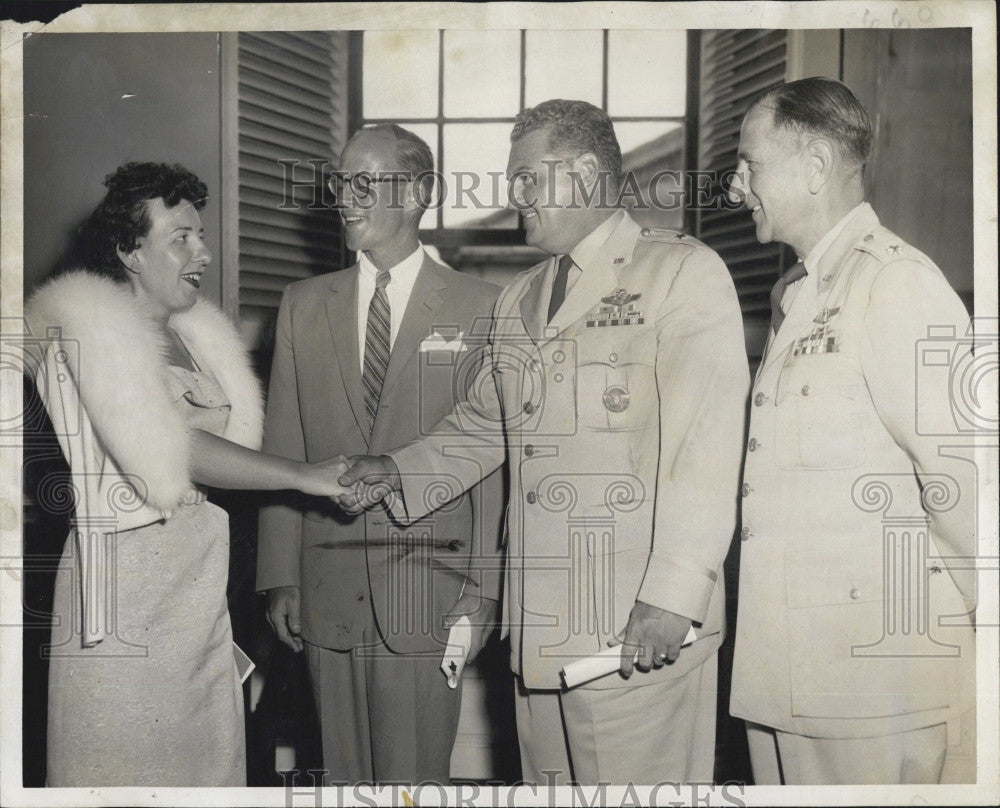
x=662, y=732
x=943, y=753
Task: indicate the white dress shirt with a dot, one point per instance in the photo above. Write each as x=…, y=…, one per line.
x=404, y=275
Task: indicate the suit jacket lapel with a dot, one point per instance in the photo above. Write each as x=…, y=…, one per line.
x=417, y=322
x=342, y=314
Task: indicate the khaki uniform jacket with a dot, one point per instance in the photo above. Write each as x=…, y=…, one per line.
x=346, y=565
x=855, y=586
x=621, y=424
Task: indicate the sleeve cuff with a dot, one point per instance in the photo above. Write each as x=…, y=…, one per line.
x=677, y=585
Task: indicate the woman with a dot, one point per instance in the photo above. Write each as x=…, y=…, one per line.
x=150, y=393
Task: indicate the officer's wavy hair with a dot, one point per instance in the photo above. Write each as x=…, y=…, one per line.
x=825, y=107
x=122, y=217
x=574, y=127
x=414, y=155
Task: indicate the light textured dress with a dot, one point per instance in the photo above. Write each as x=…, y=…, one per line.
x=159, y=701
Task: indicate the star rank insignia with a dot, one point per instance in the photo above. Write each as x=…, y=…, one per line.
x=618, y=309
x=894, y=249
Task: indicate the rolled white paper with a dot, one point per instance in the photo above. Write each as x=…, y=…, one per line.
x=602, y=663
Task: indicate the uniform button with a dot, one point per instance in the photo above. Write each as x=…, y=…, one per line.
x=855, y=594
x=613, y=357
x=532, y=497
x=528, y=407
x=759, y=399
x=644, y=232
x=745, y=533
x=745, y=490
x=805, y=389
x=752, y=445
x=533, y=366
x=529, y=450
x=869, y=237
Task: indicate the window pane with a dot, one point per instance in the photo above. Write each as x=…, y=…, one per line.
x=482, y=73
x=400, y=74
x=653, y=160
x=562, y=64
x=647, y=72
x=633, y=135
x=475, y=160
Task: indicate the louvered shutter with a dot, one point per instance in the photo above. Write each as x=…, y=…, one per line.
x=735, y=66
x=292, y=93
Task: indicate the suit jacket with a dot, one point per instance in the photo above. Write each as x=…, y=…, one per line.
x=621, y=423
x=859, y=507
x=347, y=565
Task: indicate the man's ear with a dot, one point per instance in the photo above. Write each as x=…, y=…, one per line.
x=820, y=156
x=587, y=168
x=131, y=260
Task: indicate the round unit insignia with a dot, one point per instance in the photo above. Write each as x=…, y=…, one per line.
x=616, y=398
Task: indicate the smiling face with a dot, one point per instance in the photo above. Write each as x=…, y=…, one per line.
x=384, y=222
x=771, y=179
x=540, y=186
x=165, y=269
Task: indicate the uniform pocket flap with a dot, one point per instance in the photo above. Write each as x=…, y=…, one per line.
x=821, y=578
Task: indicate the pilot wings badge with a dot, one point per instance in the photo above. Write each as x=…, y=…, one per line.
x=618, y=309
x=620, y=298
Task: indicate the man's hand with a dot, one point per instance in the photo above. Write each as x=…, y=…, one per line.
x=655, y=634
x=371, y=479
x=283, y=615
x=482, y=614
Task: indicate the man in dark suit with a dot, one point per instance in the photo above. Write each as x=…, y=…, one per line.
x=369, y=601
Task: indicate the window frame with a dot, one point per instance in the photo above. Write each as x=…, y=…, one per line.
x=442, y=236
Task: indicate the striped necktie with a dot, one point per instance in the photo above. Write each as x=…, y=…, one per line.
x=788, y=277
x=376, y=346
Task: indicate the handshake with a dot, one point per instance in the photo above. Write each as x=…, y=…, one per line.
x=355, y=483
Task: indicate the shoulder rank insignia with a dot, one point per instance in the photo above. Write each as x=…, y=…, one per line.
x=894, y=249
x=621, y=297
x=824, y=316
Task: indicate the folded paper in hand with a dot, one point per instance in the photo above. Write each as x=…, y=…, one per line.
x=244, y=665
x=438, y=342
x=603, y=663
x=457, y=650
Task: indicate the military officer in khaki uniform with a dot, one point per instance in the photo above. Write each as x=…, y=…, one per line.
x=854, y=652
x=616, y=394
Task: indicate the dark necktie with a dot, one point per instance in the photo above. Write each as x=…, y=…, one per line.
x=376, y=346
x=789, y=276
x=559, y=286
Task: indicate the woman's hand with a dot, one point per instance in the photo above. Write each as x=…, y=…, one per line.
x=321, y=479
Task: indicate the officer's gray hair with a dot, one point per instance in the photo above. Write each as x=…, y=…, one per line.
x=825, y=107
x=414, y=155
x=574, y=127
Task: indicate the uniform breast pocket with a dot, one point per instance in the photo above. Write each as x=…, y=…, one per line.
x=616, y=397
x=822, y=405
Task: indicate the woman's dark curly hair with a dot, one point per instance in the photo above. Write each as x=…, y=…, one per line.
x=122, y=217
